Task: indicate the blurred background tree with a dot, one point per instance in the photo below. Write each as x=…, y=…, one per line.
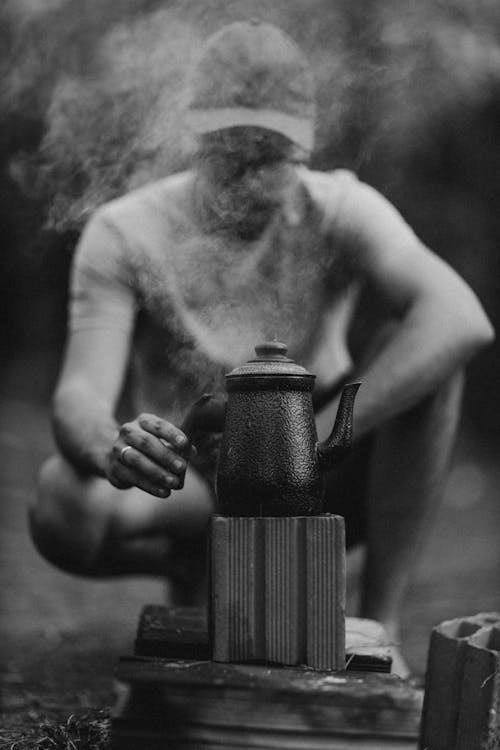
x=91, y=99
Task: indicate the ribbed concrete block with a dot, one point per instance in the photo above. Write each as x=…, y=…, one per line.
x=478, y=726
x=326, y=592
x=443, y=682
x=285, y=569
x=446, y=683
x=278, y=590
x=237, y=589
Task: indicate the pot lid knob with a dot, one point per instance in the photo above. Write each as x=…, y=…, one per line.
x=271, y=350
x=271, y=360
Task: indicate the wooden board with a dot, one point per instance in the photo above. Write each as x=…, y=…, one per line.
x=204, y=704
x=182, y=632
x=222, y=739
x=172, y=695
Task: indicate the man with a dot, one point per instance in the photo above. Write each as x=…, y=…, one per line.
x=178, y=281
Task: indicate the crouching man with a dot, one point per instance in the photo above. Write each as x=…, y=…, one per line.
x=175, y=283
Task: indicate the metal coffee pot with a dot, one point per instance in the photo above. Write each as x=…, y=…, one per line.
x=270, y=461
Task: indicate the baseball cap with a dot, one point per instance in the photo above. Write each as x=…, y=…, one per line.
x=250, y=73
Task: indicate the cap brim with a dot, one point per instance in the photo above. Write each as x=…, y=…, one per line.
x=300, y=130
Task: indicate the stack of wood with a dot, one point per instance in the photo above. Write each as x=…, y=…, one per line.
x=270, y=664
x=462, y=691
x=172, y=694
x=183, y=633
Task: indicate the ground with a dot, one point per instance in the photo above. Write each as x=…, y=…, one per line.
x=60, y=636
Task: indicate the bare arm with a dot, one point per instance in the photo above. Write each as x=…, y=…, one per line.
x=101, y=322
x=87, y=432
x=86, y=396
x=440, y=322
x=442, y=325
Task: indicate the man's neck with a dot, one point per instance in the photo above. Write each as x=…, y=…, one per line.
x=217, y=209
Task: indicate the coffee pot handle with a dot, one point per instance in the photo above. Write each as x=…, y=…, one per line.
x=207, y=414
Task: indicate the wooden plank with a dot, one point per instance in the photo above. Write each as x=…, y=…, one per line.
x=367, y=646
x=290, y=700
x=202, y=705
x=182, y=632
x=176, y=632
x=125, y=737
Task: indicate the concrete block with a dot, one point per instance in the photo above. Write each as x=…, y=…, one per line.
x=236, y=620
x=326, y=592
x=478, y=725
x=446, y=681
x=285, y=591
x=278, y=590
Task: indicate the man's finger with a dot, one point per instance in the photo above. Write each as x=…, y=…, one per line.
x=144, y=484
x=157, y=449
x=144, y=469
x=120, y=476
x=163, y=429
x=123, y=477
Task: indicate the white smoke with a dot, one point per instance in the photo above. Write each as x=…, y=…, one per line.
x=22, y=10
x=109, y=79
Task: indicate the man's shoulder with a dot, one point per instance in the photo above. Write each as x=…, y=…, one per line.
x=346, y=202
x=154, y=198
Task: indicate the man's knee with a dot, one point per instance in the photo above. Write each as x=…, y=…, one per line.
x=56, y=517
x=44, y=509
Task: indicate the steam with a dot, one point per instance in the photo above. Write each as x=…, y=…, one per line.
x=224, y=299
x=22, y=10
x=124, y=127
x=435, y=65
x=109, y=80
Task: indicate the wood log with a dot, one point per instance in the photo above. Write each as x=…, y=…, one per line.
x=198, y=704
x=173, y=632
x=182, y=633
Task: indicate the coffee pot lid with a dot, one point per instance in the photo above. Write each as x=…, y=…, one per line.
x=271, y=360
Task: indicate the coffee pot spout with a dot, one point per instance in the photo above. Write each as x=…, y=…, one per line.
x=332, y=450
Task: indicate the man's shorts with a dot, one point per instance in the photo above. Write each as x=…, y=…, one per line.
x=346, y=491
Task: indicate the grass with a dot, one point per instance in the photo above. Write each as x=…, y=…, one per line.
x=88, y=731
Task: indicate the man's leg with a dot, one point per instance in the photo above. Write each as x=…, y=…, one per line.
x=408, y=470
x=86, y=526
x=387, y=490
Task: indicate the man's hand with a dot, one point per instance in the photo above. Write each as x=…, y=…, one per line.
x=149, y=453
